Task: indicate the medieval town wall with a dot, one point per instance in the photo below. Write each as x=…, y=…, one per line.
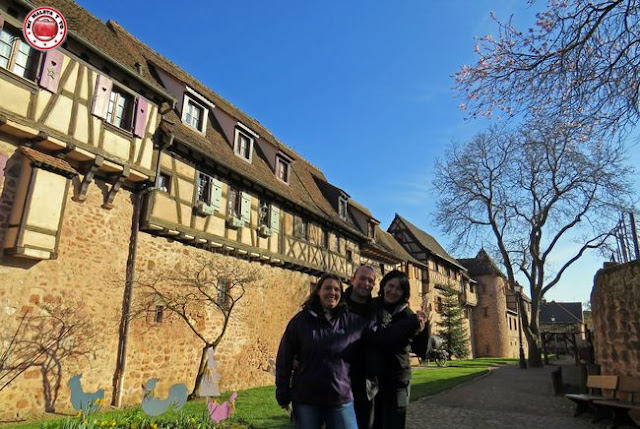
x=615, y=305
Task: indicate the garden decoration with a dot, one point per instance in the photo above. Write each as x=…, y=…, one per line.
x=209, y=384
x=153, y=406
x=82, y=401
x=219, y=412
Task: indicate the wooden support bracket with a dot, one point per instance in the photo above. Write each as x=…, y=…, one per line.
x=115, y=187
x=88, y=178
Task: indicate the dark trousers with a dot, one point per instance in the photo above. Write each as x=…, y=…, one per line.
x=391, y=405
x=363, y=407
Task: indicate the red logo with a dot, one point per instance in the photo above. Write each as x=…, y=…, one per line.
x=45, y=28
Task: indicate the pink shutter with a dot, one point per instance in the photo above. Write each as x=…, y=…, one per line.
x=51, y=70
x=140, y=121
x=101, y=97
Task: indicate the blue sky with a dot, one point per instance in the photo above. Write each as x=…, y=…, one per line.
x=360, y=89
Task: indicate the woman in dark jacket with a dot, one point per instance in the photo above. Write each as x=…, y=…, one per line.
x=393, y=365
x=322, y=339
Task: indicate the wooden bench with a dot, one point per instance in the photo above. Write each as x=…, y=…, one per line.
x=599, y=388
x=627, y=399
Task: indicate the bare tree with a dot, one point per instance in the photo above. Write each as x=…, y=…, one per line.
x=15, y=358
x=51, y=334
x=580, y=61
x=213, y=286
x=533, y=192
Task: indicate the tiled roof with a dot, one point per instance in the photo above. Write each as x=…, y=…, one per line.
x=428, y=242
x=387, y=241
x=49, y=162
x=561, y=312
x=92, y=30
x=154, y=59
x=130, y=53
x=481, y=265
x=301, y=190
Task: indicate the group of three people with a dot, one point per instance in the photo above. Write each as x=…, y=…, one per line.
x=344, y=358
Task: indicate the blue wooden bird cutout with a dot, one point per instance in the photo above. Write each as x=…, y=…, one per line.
x=81, y=400
x=154, y=407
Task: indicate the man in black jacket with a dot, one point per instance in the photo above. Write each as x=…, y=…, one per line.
x=358, y=298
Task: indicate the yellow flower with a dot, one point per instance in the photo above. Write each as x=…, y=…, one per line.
x=79, y=414
x=154, y=426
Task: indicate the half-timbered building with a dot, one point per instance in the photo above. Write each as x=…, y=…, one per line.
x=115, y=166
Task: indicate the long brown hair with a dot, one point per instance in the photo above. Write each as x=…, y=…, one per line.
x=313, y=301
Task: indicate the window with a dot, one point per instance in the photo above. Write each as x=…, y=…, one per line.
x=349, y=255
x=158, y=314
x=336, y=244
x=234, y=204
x=382, y=268
x=263, y=214
x=282, y=169
x=371, y=230
x=325, y=239
x=224, y=294
x=439, y=305
x=120, y=109
x=471, y=288
x=204, y=185
x=16, y=55
x=300, y=227
x=243, y=145
x=164, y=182
x=194, y=114
x=342, y=208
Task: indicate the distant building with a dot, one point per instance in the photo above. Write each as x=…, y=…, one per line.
x=495, y=321
x=441, y=270
x=562, y=318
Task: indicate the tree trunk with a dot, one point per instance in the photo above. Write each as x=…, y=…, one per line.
x=201, y=368
x=534, y=341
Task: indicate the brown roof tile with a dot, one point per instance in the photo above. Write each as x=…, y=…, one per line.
x=49, y=162
x=428, y=242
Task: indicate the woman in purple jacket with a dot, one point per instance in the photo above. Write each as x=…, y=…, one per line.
x=322, y=339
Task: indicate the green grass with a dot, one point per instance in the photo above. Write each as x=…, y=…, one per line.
x=257, y=407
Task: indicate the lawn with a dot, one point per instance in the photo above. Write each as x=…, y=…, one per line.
x=257, y=408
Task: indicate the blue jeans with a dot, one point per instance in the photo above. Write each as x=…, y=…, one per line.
x=335, y=417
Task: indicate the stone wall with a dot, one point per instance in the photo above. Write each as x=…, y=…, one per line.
x=86, y=283
x=615, y=305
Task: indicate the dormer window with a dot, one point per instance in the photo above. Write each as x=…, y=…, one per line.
x=194, y=114
x=371, y=230
x=243, y=145
x=342, y=208
x=282, y=169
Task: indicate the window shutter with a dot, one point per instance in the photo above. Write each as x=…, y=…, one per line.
x=1, y=22
x=101, y=96
x=245, y=210
x=51, y=70
x=216, y=194
x=142, y=113
x=275, y=218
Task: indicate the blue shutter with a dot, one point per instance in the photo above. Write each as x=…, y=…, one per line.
x=245, y=209
x=216, y=194
x=275, y=218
